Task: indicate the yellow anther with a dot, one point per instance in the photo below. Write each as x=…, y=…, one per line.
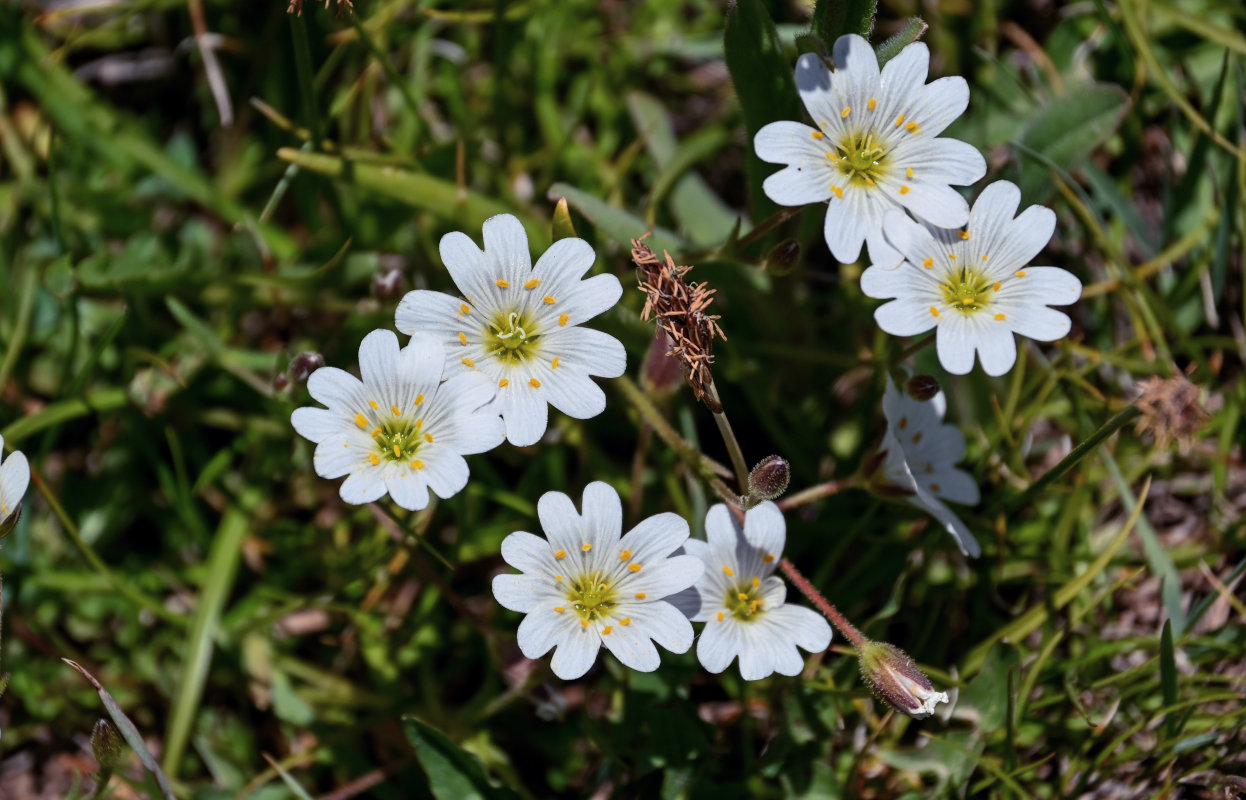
x=625, y=621
x=839, y=191
x=720, y=616
x=467, y=362
x=397, y=451
x=817, y=134
x=502, y=284
x=560, y=555
x=428, y=437
x=899, y=120
x=419, y=423
x=562, y=320
x=996, y=285
x=934, y=312
x=917, y=437
x=984, y=258
x=934, y=487
x=728, y=570
x=586, y=547
x=1021, y=273
x=640, y=595
x=583, y=623
x=625, y=555
x=464, y=308
x=999, y=317
x=756, y=581
x=419, y=399
x=374, y=458
x=904, y=423
x=967, y=301
x=417, y=464
x=952, y=256
x=376, y=432
x=502, y=384
x=741, y=596
x=534, y=383
x=532, y=284
x=462, y=338
x=633, y=567
x=964, y=234
x=844, y=114
x=928, y=263
x=767, y=558
x=945, y=287
x=911, y=127
x=361, y=421
x=872, y=104
x=904, y=190
x=397, y=411
x=549, y=301
x=908, y=171
x=559, y=610
x=554, y=364
x=607, y=630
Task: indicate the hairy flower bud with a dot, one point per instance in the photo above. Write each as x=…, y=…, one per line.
x=303, y=365
x=106, y=744
x=922, y=387
x=897, y=681
x=387, y=283
x=783, y=257
x=769, y=478
x=661, y=373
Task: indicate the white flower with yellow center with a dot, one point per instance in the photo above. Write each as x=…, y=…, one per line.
x=14, y=478
x=921, y=454
x=874, y=147
x=519, y=325
x=583, y=586
x=975, y=285
x=400, y=430
x=742, y=602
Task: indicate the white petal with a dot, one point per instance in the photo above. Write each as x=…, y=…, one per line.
x=954, y=342
x=593, y=352
x=14, y=480
x=573, y=393
x=446, y=474
x=337, y=389
x=910, y=238
x=855, y=58
x=337, y=456
x=798, y=185
x=664, y=624
x=719, y=644
x=662, y=578
x=576, y=653
x=318, y=424
x=813, y=82
x=720, y=531
x=466, y=391
x=655, y=537
x=846, y=226
x=1040, y=323
x=1023, y=239
x=542, y=629
x=689, y=603
x=420, y=365
x=560, y=521
x=408, y=489
x=522, y=593
x=941, y=161
x=528, y=552
x=1040, y=286
x=633, y=647
x=801, y=626
x=363, y=486
x=564, y=263
x=430, y=312
x=602, y=515
x=525, y=413
x=903, y=317
x=880, y=251
x=938, y=204
x=757, y=652
x=467, y=265
x=994, y=210
x=951, y=523
x=788, y=142
x=907, y=71
x=765, y=529
x=939, y=103
x=955, y=485
x=581, y=302
x=378, y=359
x=997, y=349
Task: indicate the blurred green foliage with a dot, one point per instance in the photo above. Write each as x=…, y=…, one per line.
x=160, y=270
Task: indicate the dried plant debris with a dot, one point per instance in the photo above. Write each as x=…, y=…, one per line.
x=1172, y=410
x=296, y=6
x=680, y=309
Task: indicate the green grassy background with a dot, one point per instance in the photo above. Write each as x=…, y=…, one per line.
x=158, y=270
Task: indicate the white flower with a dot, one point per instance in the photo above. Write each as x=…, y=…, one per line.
x=875, y=147
x=399, y=430
x=583, y=587
x=921, y=457
x=975, y=286
x=14, y=478
x=742, y=602
x=519, y=325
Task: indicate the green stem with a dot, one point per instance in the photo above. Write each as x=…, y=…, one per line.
x=22, y=326
x=705, y=466
x=733, y=446
x=306, y=77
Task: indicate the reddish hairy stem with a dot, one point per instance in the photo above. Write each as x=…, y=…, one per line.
x=822, y=604
x=816, y=492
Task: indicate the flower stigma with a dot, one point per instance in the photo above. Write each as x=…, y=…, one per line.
x=511, y=339
x=591, y=596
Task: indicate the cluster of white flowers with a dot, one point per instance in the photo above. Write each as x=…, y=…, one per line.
x=478, y=369
x=875, y=155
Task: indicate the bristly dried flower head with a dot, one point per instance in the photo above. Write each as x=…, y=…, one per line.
x=679, y=307
x=1172, y=410
x=296, y=7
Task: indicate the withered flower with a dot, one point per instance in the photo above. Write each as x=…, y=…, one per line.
x=679, y=308
x=1172, y=410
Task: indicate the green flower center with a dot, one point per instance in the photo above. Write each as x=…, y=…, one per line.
x=512, y=339
x=862, y=159
x=591, y=596
x=399, y=439
x=744, y=601
x=967, y=290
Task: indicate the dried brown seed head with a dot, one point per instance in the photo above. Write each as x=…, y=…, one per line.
x=1172, y=410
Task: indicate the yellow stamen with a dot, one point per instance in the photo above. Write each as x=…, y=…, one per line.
x=899, y=120
x=586, y=547
x=532, y=284
x=361, y=421
x=839, y=191
x=934, y=487
x=462, y=338
x=374, y=458
x=606, y=630
x=728, y=570
x=928, y=263
x=904, y=423
x=934, y=312
x=741, y=596
x=1021, y=273
x=549, y=301
x=464, y=309
x=534, y=383
x=375, y=405
x=625, y=621
x=904, y=190
x=397, y=451
x=640, y=595
x=560, y=555
x=756, y=582
x=562, y=320
x=419, y=399
x=467, y=362
x=908, y=171
x=817, y=134
x=397, y=411
x=720, y=616
x=911, y=127
x=428, y=437
x=417, y=464
x=502, y=384
x=633, y=567
x=559, y=609
x=767, y=558
x=625, y=555
x=376, y=432
x=872, y=104
x=583, y=623
x=967, y=301
x=917, y=437
x=964, y=234
x=502, y=284
x=554, y=364
x=996, y=285
x=844, y=114
x=999, y=317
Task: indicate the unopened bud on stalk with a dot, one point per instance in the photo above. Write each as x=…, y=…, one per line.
x=106, y=744
x=661, y=373
x=897, y=681
x=783, y=257
x=303, y=365
x=922, y=387
x=769, y=478
x=387, y=284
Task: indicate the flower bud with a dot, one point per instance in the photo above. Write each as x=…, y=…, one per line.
x=106, y=744
x=897, y=681
x=922, y=387
x=783, y=257
x=661, y=373
x=303, y=365
x=387, y=284
x=769, y=478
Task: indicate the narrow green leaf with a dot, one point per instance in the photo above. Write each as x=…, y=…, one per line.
x=1067, y=130
x=563, y=227
x=620, y=225
x=834, y=18
x=1168, y=675
x=453, y=773
x=765, y=83
x=424, y=192
x=128, y=731
x=914, y=28
x=1185, y=195
x=287, y=778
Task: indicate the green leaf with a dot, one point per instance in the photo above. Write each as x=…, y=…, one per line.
x=616, y=223
x=1068, y=130
x=563, y=227
x=834, y=18
x=764, y=82
x=417, y=190
x=914, y=28
x=453, y=773
x=128, y=731
x=1168, y=675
